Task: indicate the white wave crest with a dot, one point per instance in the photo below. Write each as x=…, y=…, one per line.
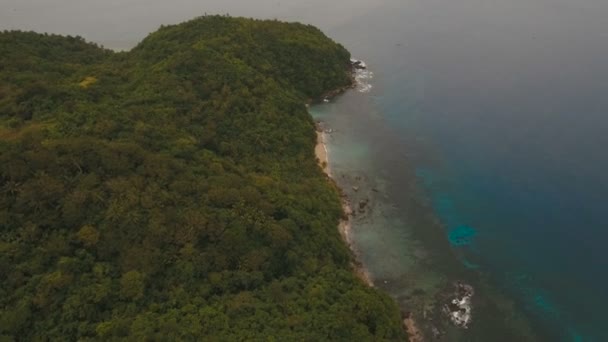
x=363, y=78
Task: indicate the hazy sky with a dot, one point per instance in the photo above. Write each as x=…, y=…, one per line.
x=122, y=23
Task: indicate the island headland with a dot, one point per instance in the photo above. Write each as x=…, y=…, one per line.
x=172, y=191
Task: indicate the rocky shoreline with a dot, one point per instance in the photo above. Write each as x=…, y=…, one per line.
x=345, y=226
x=354, y=66
x=453, y=304
x=460, y=306
x=362, y=206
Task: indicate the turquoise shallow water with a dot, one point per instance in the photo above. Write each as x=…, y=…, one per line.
x=498, y=107
x=498, y=111
x=480, y=145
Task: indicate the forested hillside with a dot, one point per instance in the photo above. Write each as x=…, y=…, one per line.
x=171, y=192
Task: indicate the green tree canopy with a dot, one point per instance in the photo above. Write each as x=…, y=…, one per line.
x=171, y=192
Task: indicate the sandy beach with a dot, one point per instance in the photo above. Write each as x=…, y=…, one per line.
x=321, y=152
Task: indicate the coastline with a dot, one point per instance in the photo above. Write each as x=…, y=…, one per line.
x=412, y=330
x=344, y=226
x=414, y=334
x=442, y=313
x=439, y=314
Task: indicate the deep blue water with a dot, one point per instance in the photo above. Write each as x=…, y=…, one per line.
x=514, y=110
x=500, y=107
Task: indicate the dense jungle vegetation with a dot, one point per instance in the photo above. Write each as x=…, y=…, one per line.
x=171, y=192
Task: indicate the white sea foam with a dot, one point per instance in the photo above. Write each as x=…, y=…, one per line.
x=460, y=308
x=363, y=78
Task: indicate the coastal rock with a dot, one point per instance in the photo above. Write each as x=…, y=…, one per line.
x=358, y=64
x=459, y=308
x=319, y=127
x=363, y=204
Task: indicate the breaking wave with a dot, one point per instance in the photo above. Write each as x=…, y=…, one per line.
x=363, y=78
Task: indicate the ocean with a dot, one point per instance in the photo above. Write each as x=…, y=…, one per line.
x=477, y=140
